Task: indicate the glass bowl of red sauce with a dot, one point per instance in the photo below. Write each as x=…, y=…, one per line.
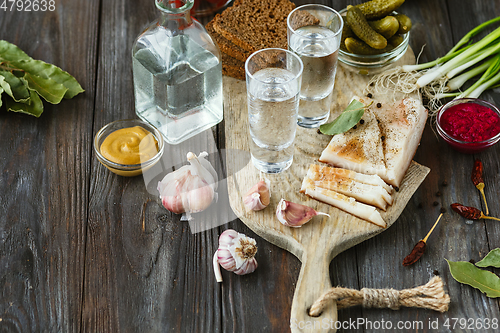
x=469, y=125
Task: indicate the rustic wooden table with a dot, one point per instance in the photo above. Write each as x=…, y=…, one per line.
x=82, y=249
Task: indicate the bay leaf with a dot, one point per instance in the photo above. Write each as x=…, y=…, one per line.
x=346, y=120
x=492, y=259
x=1, y=91
x=14, y=87
x=49, y=71
x=467, y=273
x=49, y=89
x=26, y=79
x=34, y=107
x=10, y=52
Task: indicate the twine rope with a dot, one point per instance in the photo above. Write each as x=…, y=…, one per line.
x=429, y=296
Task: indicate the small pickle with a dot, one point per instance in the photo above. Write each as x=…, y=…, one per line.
x=404, y=23
x=395, y=40
x=387, y=26
x=376, y=9
x=357, y=22
x=346, y=33
x=357, y=46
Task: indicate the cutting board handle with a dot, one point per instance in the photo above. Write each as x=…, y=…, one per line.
x=314, y=280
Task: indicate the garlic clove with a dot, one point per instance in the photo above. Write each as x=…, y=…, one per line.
x=258, y=197
x=235, y=253
x=295, y=215
x=249, y=266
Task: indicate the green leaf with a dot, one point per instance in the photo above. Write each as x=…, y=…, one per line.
x=14, y=87
x=347, y=119
x=25, y=80
x=48, y=71
x=492, y=259
x=485, y=281
x=10, y=52
x=49, y=89
x=34, y=108
x=1, y=91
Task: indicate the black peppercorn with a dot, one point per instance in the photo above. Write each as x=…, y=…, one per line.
x=379, y=105
x=442, y=210
x=362, y=121
x=369, y=95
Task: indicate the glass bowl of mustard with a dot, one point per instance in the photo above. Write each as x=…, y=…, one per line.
x=128, y=147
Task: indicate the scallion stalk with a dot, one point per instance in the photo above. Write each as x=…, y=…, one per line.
x=459, y=81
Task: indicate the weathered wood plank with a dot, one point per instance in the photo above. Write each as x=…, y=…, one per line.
x=44, y=182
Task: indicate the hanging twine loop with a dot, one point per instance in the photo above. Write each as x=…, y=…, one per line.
x=429, y=296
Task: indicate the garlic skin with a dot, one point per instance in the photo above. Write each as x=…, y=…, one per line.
x=295, y=215
x=191, y=188
x=258, y=197
x=235, y=253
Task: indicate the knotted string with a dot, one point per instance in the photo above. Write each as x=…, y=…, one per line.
x=429, y=296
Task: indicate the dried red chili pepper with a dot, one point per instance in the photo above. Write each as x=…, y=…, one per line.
x=477, y=179
x=419, y=248
x=470, y=213
x=415, y=254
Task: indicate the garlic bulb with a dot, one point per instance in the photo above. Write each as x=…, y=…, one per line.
x=258, y=197
x=295, y=215
x=191, y=188
x=235, y=253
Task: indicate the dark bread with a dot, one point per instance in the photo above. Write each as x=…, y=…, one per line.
x=233, y=67
x=255, y=24
x=302, y=18
x=227, y=46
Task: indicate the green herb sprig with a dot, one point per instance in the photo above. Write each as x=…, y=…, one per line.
x=346, y=120
x=23, y=80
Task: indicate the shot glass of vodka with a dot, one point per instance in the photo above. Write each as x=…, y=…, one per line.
x=314, y=33
x=273, y=78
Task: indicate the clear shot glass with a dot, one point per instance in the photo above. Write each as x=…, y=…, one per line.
x=314, y=33
x=273, y=78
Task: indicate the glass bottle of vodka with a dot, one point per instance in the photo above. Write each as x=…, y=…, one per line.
x=177, y=73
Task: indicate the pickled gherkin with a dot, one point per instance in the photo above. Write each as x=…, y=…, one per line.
x=376, y=9
x=358, y=24
x=404, y=23
x=387, y=26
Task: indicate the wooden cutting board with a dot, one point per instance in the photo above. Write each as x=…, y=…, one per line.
x=319, y=241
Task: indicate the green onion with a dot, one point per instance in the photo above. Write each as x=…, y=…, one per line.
x=442, y=78
x=460, y=80
x=462, y=58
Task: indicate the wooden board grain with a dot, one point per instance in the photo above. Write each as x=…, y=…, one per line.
x=320, y=240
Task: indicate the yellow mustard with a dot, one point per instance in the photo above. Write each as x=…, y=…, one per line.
x=131, y=145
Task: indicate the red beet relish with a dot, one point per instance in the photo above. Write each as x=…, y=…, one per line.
x=470, y=122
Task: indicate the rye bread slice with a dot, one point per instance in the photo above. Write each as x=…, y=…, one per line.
x=227, y=46
x=233, y=67
x=255, y=24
